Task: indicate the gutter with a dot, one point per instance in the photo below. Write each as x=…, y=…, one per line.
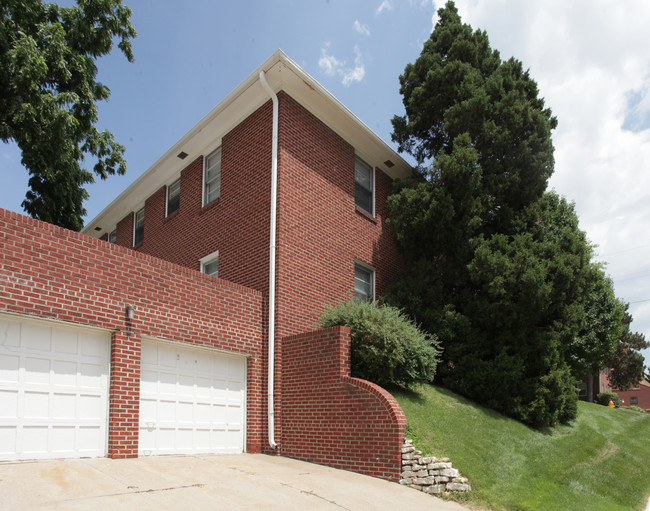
x=274, y=212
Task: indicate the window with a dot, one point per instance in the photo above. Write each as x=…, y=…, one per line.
x=634, y=400
x=112, y=236
x=212, y=177
x=173, y=196
x=210, y=264
x=364, y=186
x=364, y=283
x=138, y=231
x=582, y=389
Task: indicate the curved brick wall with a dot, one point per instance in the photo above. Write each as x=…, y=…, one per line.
x=329, y=417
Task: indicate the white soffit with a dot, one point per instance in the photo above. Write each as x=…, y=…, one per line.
x=282, y=74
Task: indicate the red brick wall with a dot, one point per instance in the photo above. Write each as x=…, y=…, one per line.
x=123, y=421
x=329, y=417
x=642, y=394
x=320, y=231
x=236, y=224
x=50, y=272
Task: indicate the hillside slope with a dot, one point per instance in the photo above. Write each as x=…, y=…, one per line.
x=599, y=462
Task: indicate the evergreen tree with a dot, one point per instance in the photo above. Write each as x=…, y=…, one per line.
x=626, y=363
x=496, y=267
x=48, y=93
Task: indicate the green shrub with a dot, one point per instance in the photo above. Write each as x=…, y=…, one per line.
x=387, y=347
x=605, y=397
x=634, y=408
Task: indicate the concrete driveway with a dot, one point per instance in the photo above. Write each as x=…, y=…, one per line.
x=244, y=481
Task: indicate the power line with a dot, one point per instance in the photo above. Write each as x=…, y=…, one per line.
x=625, y=250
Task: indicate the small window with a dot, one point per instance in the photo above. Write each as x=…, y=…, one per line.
x=138, y=234
x=364, y=283
x=210, y=264
x=582, y=389
x=112, y=236
x=173, y=196
x=634, y=400
x=212, y=177
x=364, y=186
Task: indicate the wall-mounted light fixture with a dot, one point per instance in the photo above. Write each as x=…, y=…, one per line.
x=130, y=311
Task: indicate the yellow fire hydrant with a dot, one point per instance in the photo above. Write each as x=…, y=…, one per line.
x=611, y=404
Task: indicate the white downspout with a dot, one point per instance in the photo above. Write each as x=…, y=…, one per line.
x=274, y=211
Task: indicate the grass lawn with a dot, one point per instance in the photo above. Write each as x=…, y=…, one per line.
x=599, y=462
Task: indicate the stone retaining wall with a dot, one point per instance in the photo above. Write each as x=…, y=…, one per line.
x=429, y=474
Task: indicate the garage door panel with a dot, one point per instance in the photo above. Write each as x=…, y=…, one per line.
x=36, y=337
x=64, y=405
x=34, y=439
x=36, y=405
x=65, y=372
x=9, y=333
x=167, y=357
x=61, y=436
x=65, y=343
x=91, y=407
x=202, y=438
x=148, y=410
x=93, y=346
x=205, y=366
x=149, y=352
x=8, y=403
x=9, y=366
x=166, y=383
x=185, y=410
x=91, y=375
x=185, y=385
x=37, y=370
x=203, y=414
x=53, y=386
x=8, y=438
x=88, y=437
x=234, y=415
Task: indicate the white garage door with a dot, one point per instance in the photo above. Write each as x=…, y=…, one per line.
x=53, y=390
x=192, y=400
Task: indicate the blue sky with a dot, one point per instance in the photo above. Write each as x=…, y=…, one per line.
x=589, y=57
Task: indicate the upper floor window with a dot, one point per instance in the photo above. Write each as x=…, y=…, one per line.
x=210, y=264
x=173, y=196
x=112, y=236
x=138, y=231
x=212, y=180
x=364, y=283
x=364, y=186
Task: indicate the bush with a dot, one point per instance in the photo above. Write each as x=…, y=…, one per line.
x=387, y=347
x=634, y=408
x=605, y=397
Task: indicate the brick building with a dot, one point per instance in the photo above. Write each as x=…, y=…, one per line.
x=280, y=193
x=636, y=396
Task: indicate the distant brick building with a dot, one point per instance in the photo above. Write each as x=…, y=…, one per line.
x=186, y=355
x=637, y=396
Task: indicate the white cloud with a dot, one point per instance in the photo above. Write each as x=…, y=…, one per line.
x=362, y=28
x=328, y=63
x=589, y=57
x=385, y=6
x=332, y=66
